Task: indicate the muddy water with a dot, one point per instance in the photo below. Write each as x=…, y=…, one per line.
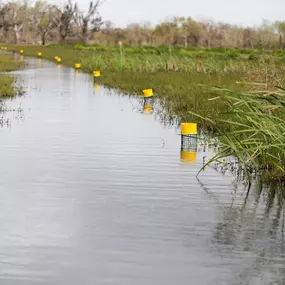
x=93, y=192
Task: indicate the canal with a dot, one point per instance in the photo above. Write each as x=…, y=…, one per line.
x=93, y=191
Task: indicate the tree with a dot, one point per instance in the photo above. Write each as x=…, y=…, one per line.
x=64, y=19
x=191, y=32
x=5, y=25
x=43, y=16
x=281, y=31
x=13, y=15
x=91, y=22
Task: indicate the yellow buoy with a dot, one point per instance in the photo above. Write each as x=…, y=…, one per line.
x=21, y=51
x=58, y=60
x=148, y=93
x=39, y=54
x=55, y=58
x=188, y=156
x=77, y=65
x=96, y=73
x=188, y=129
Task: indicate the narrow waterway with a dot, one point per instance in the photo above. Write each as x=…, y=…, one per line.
x=93, y=191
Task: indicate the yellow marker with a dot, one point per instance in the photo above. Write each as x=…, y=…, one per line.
x=147, y=109
x=188, y=129
x=96, y=73
x=21, y=51
x=148, y=93
x=55, y=58
x=77, y=65
x=188, y=156
x=58, y=60
x=39, y=54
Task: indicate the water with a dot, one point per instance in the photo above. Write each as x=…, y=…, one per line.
x=93, y=192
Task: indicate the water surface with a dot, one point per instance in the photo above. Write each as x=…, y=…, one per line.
x=93, y=192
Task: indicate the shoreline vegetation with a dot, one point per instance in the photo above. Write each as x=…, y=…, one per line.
x=7, y=82
x=236, y=94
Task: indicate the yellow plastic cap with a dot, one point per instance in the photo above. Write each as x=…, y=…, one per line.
x=40, y=54
x=77, y=65
x=147, y=92
x=188, y=156
x=96, y=73
x=58, y=59
x=189, y=129
x=21, y=51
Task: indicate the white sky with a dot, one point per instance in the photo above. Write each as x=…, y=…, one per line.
x=242, y=12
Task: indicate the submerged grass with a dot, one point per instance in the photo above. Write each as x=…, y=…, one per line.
x=7, y=87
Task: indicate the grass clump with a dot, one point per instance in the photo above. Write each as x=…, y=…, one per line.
x=254, y=133
x=7, y=87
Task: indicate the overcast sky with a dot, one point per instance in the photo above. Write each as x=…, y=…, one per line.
x=243, y=12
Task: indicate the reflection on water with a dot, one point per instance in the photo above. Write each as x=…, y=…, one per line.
x=94, y=192
x=148, y=105
x=251, y=237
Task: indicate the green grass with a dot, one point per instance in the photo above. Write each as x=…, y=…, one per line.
x=7, y=87
x=178, y=91
x=157, y=59
x=175, y=74
x=248, y=123
x=255, y=134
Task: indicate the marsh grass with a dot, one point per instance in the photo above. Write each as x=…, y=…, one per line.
x=7, y=87
x=254, y=133
x=156, y=59
x=248, y=124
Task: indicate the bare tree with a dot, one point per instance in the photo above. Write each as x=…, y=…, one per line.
x=4, y=24
x=64, y=20
x=90, y=22
x=43, y=16
x=12, y=18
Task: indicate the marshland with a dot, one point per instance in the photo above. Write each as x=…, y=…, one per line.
x=96, y=186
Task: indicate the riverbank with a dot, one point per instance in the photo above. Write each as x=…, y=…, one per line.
x=243, y=114
x=179, y=77
x=7, y=87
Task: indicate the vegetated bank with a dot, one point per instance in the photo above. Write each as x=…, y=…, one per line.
x=180, y=77
x=7, y=82
x=247, y=114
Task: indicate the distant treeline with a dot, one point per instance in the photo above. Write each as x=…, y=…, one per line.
x=41, y=22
